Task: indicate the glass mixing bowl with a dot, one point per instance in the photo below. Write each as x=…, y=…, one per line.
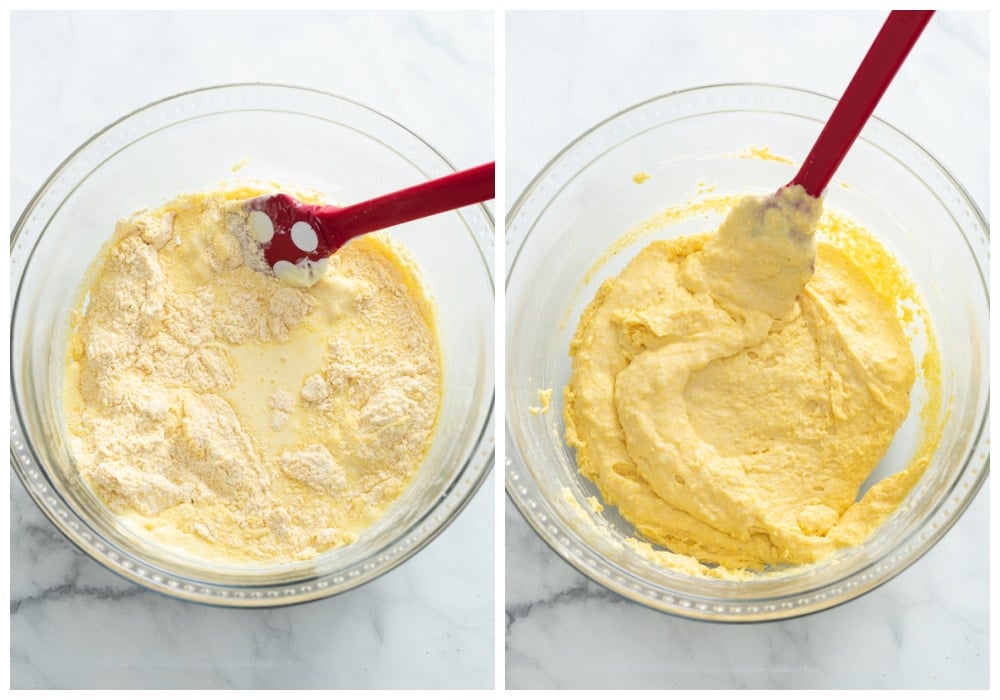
x=191, y=142
x=689, y=143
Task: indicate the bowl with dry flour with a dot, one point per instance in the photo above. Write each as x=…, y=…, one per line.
x=207, y=431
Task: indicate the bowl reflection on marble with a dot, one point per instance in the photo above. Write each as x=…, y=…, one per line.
x=584, y=200
x=193, y=142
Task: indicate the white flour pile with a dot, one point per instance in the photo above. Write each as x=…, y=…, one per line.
x=233, y=416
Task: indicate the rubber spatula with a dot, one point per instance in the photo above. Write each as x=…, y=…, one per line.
x=879, y=67
x=297, y=238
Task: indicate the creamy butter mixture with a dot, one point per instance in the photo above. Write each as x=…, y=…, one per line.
x=730, y=394
x=233, y=416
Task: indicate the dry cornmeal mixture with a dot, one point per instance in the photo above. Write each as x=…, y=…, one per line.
x=731, y=393
x=237, y=418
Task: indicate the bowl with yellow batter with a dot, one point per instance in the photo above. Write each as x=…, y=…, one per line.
x=202, y=428
x=710, y=411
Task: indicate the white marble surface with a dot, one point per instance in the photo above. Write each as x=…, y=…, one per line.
x=73, y=624
x=929, y=627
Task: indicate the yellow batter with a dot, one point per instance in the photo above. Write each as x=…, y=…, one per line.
x=237, y=418
x=730, y=394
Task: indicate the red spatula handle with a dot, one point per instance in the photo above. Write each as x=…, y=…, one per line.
x=886, y=55
x=452, y=191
